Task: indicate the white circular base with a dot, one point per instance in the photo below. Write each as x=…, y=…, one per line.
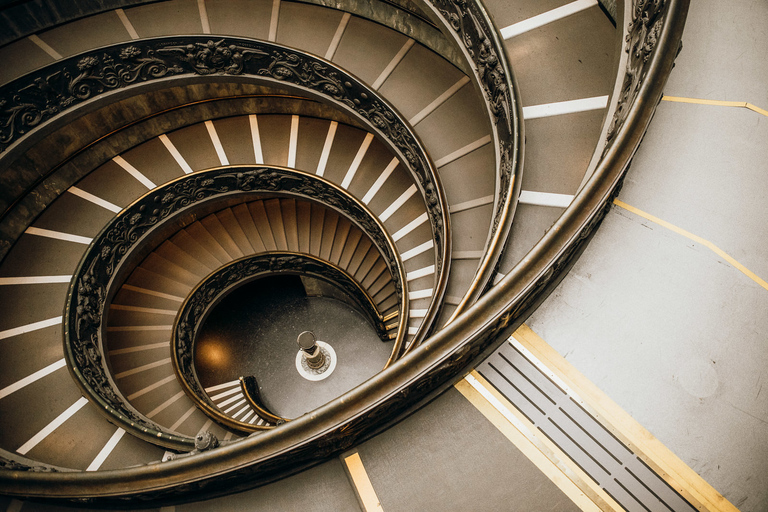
x=310, y=374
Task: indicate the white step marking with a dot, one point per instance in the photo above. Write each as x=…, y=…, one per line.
x=127, y=24
x=216, y=143
x=499, y=276
x=104, y=453
x=94, y=199
x=565, y=107
x=467, y=255
x=139, y=348
x=417, y=313
x=417, y=250
x=58, y=235
x=380, y=181
x=139, y=328
x=495, y=402
x=452, y=300
x=273, y=21
x=204, y=16
x=257, y=154
x=143, y=368
x=241, y=411
x=250, y=413
x=233, y=399
x=183, y=418
x=439, y=101
x=415, y=274
x=463, y=151
x=151, y=387
x=412, y=331
x=546, y=371
x=29, y=379
x=421, y=294
x=175, y=154
x=356, y=162
x=229, y=436
x=327, y=148
x=222, y=386
x=293, y=141
x=259, y=422
x=139, y=309
x=56, y=423
x=42, y=324
x=337, y=36
x=472, y=203
x=34, y=280
x=134, y=172
x=392, y=64
x=399, y=202
x=45, y=47
x=545, y=199
x=160, y=408
x=153, y=293
x=418, y=221
x=546, y=17
x=225, y=393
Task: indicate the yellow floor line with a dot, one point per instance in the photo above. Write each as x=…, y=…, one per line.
x=678, y=474
x=363, y=486
x=706, y=243
x=718, y=103
x=542, y=452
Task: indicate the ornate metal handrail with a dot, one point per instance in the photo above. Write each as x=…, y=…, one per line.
x=250, y=388
x=95, y=279
x=365, y=410
x=471, y=27
x=45, y=96
x=213, y=288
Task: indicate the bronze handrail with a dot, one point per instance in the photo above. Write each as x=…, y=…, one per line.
x=215, y=286
x=250, y=389
x=474, y=33
x=102, y=268
x=444, y=357
x=45, y=96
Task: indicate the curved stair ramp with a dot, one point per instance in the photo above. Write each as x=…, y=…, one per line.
x=479, y=323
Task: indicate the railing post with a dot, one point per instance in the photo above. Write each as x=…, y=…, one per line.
x=312, y=354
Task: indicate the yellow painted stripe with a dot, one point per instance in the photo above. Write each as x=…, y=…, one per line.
x=718, y=103
x=706, y=243
x=550, y=460
x=362, y=483
x=665, y=463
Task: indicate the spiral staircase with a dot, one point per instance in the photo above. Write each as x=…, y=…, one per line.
x=147, y=147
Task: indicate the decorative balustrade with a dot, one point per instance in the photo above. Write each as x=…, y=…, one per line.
x=130, y=231
x=653, y=39
x=30, y=103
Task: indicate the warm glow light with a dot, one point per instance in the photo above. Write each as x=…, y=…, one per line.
x=212, y=354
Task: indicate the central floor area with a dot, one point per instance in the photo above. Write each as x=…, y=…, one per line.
x=253, y=331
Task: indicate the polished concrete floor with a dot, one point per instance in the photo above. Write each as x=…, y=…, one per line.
x=253, y=331
x=665, y=326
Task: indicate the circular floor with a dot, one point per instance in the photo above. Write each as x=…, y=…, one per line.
x=253, y=332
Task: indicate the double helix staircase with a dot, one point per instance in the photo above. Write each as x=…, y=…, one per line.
x=68, y=182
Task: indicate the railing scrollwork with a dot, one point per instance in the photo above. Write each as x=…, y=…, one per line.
x=442, y=358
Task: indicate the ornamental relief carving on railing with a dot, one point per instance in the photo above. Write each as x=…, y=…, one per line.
x=642, y=36
x=87, y=298
x=214, y=287
x=30, y=101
